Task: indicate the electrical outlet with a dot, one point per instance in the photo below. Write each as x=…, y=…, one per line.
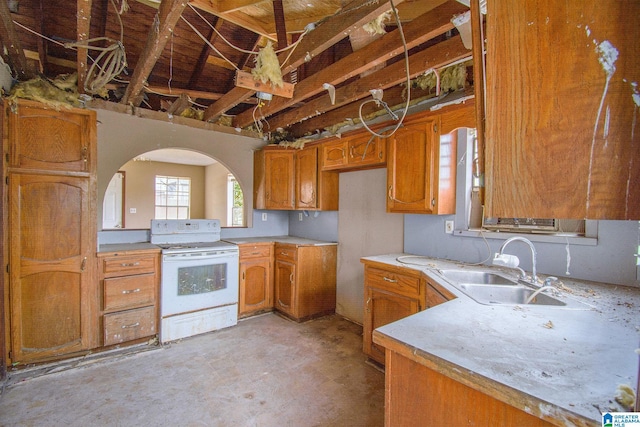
x=132, y=210
x=300, y=216
x=448, y=227
x=264, y=216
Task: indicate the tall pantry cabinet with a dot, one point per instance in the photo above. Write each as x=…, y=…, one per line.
x=50, y=163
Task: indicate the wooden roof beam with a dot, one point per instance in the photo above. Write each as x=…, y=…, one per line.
x=168, y=14
x=430, y=25
x=83, y=26
x=326, y=34
x=14, y=55
x=204, y=55
x=436, y=56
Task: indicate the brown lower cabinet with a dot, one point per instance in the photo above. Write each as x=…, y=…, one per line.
x=417, y=395
x=305, y=280
x=256, y=278
x=129, y=284
x=392, y=293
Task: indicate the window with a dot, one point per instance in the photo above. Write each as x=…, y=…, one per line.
x=172, y=197
x=235, y=203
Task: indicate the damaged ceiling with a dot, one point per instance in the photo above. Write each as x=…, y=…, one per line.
x=198, y=58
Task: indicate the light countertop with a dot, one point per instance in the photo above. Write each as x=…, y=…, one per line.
x=124, y=247
x=563, y=365
x=280, y=239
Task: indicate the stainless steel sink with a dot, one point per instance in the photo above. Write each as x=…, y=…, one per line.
x=496, y=294
x=491, y=288
x=476, y=277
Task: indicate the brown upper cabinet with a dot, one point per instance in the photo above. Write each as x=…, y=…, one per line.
x=360, y=151
x=562, y=103
x=290, y=179
x=421, y=165
x=47, y=139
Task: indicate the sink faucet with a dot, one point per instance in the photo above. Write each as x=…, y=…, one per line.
x=499, y=258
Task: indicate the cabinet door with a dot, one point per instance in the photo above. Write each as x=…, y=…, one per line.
x=383, y=307
x=366, y=150
x=562, y=139
x=307, y=178
x=411, y=169
x=334, y=155
x=285, y=284
x=255, y=286
x=47, y=139
x=52, y=282
x=280, y=181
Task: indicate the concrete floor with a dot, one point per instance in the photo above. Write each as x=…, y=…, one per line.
x=267, y=371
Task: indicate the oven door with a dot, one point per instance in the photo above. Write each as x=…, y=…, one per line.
x=198, y=280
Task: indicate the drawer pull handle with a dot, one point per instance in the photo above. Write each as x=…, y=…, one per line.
x=83, y=265
x=255, y=253
x=131, y=264
x=368, y=301
x=135, y=325
x=291, y=277
x=285, y=253
x=131, y=291
x=386, y=279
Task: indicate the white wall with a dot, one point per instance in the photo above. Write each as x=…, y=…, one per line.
x=364, y=228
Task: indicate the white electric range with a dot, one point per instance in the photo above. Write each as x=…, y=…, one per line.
x=199, y=286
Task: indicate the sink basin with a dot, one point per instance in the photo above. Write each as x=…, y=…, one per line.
x=495, y=289
x=497, y=294
x=476, y=277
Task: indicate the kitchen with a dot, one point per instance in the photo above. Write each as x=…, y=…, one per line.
x=361, y=225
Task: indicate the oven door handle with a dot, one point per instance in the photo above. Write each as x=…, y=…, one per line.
x=182, y=258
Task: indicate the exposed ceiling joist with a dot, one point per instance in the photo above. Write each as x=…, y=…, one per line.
x=11, y=51
x=329, y=32
x=168, y=14
x=438, y=21
x=83, y=18
x=436, y=56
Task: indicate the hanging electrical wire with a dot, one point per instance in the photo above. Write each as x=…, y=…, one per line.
x=111, y=61
x=378, y=95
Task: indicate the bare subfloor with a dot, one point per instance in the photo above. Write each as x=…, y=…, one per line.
x=267, y=371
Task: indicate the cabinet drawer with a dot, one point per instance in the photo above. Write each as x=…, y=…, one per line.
x=396, y=282
x=129, y=325
x=255, y=251
x=286, y=252
x=129, y=291
x=120, y=266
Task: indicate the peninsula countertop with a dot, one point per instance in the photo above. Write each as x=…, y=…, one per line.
x=559, y=364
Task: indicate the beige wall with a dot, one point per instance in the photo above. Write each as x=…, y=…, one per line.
x=216, y=179
x=140, y=190
x=121, y=137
